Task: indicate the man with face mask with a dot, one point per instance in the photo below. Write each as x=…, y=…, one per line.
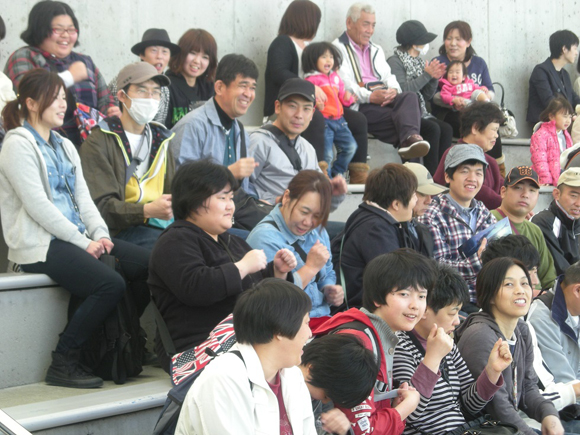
x=127, y=161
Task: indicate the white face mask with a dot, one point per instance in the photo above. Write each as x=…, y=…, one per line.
x=142, y=110
x=422, y=51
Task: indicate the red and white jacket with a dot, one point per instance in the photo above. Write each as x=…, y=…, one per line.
x=370, y=417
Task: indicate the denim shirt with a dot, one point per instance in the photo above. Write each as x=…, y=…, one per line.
x=267, y=237
x=60, y=172
x=468, y=214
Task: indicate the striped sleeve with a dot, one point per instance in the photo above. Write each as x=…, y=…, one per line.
x=440, y=412
x=470, y=398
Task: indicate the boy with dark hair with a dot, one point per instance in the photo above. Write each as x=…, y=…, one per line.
x=427, y=358
x=455, y=217
x=255, y=387
x=394, y=299
x=381, y=224
x=549, y=78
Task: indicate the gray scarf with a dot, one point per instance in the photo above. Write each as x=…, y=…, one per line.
x=414, y=67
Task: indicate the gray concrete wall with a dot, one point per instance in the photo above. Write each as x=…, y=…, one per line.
x=511, y=35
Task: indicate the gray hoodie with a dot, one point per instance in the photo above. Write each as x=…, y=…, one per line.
x=29, y=217
x=476, y=336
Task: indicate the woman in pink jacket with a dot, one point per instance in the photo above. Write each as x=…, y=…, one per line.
x=320, y=62
x=551, y=139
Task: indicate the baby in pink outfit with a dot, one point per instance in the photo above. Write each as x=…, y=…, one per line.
x=457, y=84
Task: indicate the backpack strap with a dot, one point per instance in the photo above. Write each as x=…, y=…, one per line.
x=285, y=146
x=295, y=245
x=243, y=149
x=239, y=355
x=163, y=331
x=547, y=298
x=354, y=63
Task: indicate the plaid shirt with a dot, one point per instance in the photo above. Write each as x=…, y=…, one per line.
x=92, y=92
x=450, y=231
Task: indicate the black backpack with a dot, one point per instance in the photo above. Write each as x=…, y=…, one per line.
x=115, y=350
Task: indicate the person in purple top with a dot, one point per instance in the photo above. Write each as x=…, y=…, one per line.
x=457, y=38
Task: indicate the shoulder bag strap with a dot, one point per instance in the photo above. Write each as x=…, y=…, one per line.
x=283, y=143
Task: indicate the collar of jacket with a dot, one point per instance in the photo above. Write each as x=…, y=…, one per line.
x=568, y=221
x=344, y=39
x=158, y=135
x=447, y=208
x=559, y=311
x=214, y=118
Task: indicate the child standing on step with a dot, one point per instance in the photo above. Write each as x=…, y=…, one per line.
x=320, y=62
x=550, y=139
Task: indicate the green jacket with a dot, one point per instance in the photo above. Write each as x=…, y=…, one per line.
x=105, y=157
x=546, y=269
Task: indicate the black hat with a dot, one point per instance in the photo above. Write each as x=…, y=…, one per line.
x=155, y=37
x=413, y=32
x=297, y=86
x=520, y=173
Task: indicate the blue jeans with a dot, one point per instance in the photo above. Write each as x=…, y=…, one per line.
x=337, y=132
x=140, y=235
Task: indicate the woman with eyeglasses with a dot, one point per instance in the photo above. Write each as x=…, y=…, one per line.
x=52, y=33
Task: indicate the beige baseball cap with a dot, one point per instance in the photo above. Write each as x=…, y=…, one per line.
x=426, y=184
x=570, y=177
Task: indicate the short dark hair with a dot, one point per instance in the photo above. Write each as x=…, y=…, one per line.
x=301, y=20
x=233, y=65
x=464, y=30
x=37, y=84
x=196, y=40
x=456, y=62
x=312, y=53
x=195, y=182
x=40, y=21
x=272, y=307
x=556, y=104
x=451, y=171
x=479, y=114
x=400, y=269
x=393, y=182
x=450, y=288
x=514, y=246
x=572, y=275
x=342, y=366
x=560, y=39
x=490, y=279
x=2, y=29
x=309, y=180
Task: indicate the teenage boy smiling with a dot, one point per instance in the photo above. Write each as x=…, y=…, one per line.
x=455, y=217
x=393, y=300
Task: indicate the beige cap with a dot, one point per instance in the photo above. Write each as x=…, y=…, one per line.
x=570, y=177
x=426, y=184
x=139, y=72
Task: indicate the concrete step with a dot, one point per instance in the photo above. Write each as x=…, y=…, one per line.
x=132, y=408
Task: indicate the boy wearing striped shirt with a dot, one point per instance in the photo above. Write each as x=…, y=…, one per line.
x=427, y=359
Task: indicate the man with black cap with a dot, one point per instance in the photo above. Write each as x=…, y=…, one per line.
x=278, y=148
x=155, y=48
x=560, y=222
x=127, y=162
x=520, y=194
x=393, y=116
x=455, y=217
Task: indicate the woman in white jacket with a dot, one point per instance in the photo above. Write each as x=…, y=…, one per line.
x=52, y=226
x=256, y=388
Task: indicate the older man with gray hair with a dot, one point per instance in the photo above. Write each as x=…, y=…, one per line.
x=393, y=116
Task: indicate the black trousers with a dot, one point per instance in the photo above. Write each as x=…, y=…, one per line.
x=396, y=121
x=439, y=134
x=100, y=287
x=357, y=124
